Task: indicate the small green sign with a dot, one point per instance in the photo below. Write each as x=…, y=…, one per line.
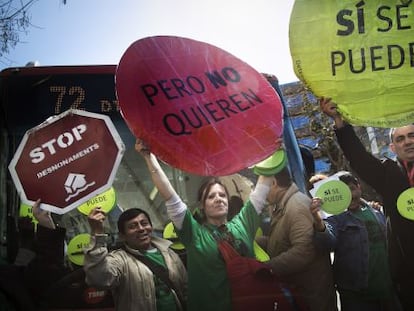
x=27, y=211
x=336, y=196
x=106, y=201
x=405, y=204
x=76, y=246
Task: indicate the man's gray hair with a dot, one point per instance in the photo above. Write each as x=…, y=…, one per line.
x=392, y=131
x=391, y=134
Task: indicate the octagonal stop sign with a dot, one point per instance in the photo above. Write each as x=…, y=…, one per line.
x=67, y=160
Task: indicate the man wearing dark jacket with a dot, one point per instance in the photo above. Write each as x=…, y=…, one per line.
x=389, y=178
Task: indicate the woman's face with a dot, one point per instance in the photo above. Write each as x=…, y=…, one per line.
x=216, y=204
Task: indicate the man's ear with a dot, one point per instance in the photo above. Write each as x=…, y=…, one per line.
x=392, y=147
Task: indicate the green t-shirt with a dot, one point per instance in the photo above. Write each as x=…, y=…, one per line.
x=208, y=286
x=379, y=280
x=164, y=297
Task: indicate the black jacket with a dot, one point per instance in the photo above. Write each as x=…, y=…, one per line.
x=389, y=179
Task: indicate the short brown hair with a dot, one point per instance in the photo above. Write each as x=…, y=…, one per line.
x=283, y=178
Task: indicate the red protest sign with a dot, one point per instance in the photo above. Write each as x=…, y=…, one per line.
x=67, y=160
x=198, y=107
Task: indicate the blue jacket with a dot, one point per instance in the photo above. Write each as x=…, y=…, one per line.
x=347, y=236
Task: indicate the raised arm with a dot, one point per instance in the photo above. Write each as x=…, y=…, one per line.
x=158, y=175
x=330, y=109
x=176, y=209
x=258, y=196
x=324, y=231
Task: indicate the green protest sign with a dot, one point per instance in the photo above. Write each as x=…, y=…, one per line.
x=360, y=54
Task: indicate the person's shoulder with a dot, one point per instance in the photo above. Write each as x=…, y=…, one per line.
x=386, y=157
x=118, y=252
x=339, y=218
x=388, y=160
x=298, y=196
x=390, y=164
x=161, y=243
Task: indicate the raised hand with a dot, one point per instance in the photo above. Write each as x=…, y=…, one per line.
x=329, y=108
x=141, y=147
x=317, y=219
x=43, y=217
x=96, y=220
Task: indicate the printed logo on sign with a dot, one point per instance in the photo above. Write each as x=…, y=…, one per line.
x=75, y=184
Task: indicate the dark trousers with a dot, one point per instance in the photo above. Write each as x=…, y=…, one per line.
x=352, y=304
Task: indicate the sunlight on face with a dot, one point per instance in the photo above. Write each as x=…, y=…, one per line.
x=138, y=232
x=403, y=143
x=216, y=204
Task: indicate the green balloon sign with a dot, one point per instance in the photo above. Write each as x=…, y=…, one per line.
x=336, y=196
x=360, y=54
